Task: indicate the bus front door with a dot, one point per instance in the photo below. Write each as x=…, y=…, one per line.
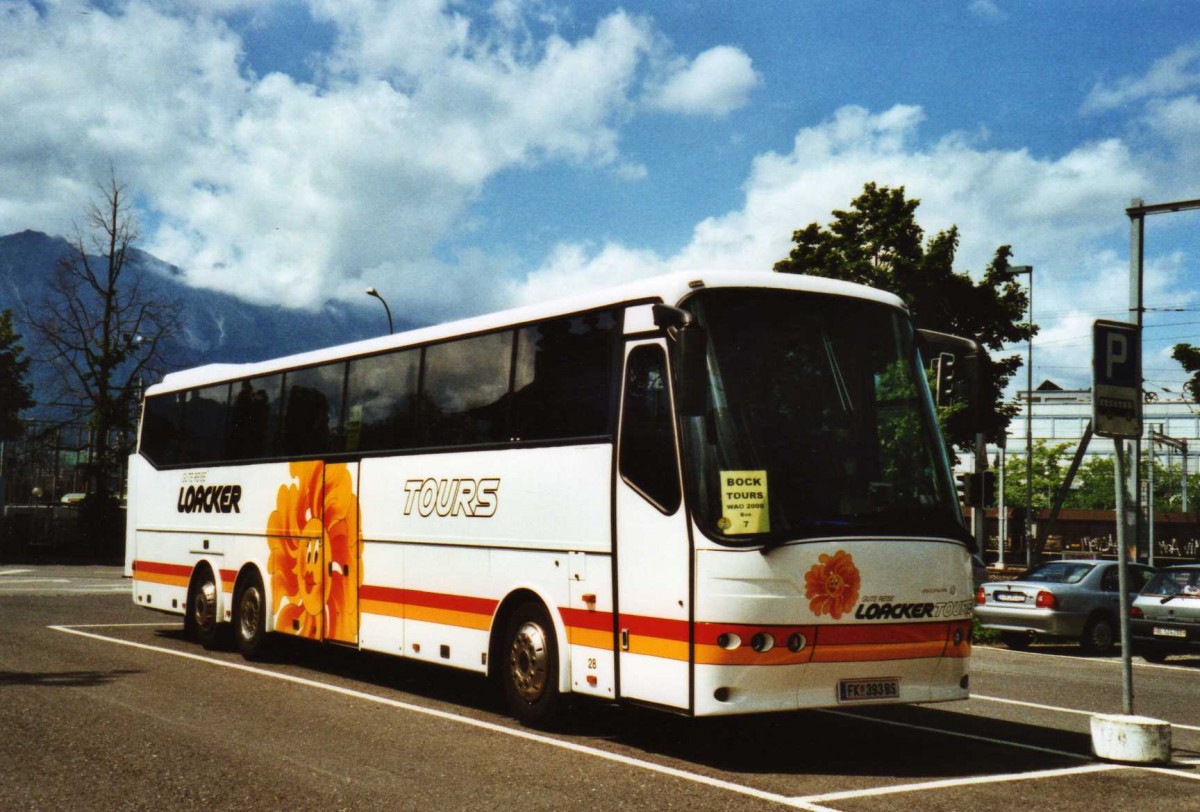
x=652, y=546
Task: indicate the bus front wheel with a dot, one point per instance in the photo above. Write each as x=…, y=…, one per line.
x=250, y=619
x=202, y=609
x=530, y=666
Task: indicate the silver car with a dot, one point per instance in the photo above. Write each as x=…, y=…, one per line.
x=1076, y=599
x=1165, y=618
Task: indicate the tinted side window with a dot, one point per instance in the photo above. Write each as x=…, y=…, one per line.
x=162, y=428
x=464, y=395
x=563, y=377
x=254, y=418
x=204, y=424
x=381, y=401
x=1110, y=581
x=647, y=456
x=313, y=411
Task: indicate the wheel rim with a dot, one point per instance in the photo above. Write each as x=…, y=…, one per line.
x=528, y=662
x=204, y=606
x=1102, y=637
x=250, y=613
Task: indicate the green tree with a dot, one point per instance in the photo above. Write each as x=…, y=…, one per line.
x=878, y=242
x=15, y=393
x=1049, y=468
x=104, y=333
x=1189, y=358
x=1093, y=488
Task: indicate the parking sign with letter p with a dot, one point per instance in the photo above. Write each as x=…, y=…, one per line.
x=1116, y=379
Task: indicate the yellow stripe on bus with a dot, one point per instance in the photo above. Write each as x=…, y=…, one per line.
x=658, y=647
x=590, y=637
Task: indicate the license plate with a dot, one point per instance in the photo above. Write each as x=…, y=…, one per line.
x=1160, y=631
x=868, y=690
x=1010, y=597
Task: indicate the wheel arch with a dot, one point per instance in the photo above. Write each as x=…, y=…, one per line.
x=203, y=567
x=518, y=597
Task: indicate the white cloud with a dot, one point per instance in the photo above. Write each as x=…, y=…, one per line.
x=716, y=82
x=1054, y=212
x=987, y=10
x=1175, y=73
x=287, y=192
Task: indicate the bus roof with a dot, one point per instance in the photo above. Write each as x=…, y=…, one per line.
x=669, y=288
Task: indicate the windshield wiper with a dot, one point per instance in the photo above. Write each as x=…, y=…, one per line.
x=839, y=383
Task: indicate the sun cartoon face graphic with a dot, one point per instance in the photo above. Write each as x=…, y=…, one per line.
x=313, y=534
x=831, y=586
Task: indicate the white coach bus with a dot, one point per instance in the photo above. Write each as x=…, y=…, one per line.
x=716, y=493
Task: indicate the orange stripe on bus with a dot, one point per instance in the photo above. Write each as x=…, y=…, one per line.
x=870, y=652
x=157, y=568
x=744, y=655
x=160, y=578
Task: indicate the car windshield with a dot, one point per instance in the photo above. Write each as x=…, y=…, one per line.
x=817, y=422
x=1058, y=572
x=1174, y=582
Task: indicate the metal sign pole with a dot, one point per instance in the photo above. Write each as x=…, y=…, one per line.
x=1117, y=414
x=1123, y=581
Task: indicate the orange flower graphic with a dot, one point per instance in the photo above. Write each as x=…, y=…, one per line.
x=831, y=586
x=313, y=538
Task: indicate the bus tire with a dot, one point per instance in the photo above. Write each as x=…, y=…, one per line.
x=530, y=666
x=250, y=618
x=201, y=617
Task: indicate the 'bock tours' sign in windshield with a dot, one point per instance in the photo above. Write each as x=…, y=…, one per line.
x=744, y=503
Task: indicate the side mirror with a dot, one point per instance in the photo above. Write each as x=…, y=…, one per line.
x=690, y=357
x=962, y=373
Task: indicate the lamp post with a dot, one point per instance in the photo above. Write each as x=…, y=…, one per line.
x=1027, y=530
x=388, y=310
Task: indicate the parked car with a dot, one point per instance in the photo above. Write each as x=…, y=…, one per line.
x=1165, y=618
x=1076, y=599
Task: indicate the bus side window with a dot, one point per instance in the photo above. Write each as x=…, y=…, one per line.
x=254, y=418
x=162, y=429
x=563, y=377
x=464, y=393
x=647, y=455
x=381, y=401
x=204, y=415
x=312, y=422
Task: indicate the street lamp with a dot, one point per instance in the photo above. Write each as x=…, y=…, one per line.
x=388, y=310
x=1028, y=531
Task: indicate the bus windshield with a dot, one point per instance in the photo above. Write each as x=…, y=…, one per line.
x=818, y=423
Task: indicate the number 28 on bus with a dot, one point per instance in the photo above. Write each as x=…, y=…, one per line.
x=715, y=493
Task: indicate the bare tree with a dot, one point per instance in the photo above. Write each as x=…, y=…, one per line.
x=104, y=333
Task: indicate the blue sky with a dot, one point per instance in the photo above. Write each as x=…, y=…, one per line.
x=466, y=156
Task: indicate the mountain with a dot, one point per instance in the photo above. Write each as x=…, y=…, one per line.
x=216, y=328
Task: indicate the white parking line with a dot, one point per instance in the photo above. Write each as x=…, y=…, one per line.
x=956, y=734
x=697, y=778
x=1059, y=709
x=958, y=782
x=15, y=572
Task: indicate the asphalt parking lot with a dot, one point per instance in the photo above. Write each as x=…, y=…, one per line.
x=109, y=706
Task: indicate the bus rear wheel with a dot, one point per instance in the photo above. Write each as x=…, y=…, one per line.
x=530, y=666
x=250, y=619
